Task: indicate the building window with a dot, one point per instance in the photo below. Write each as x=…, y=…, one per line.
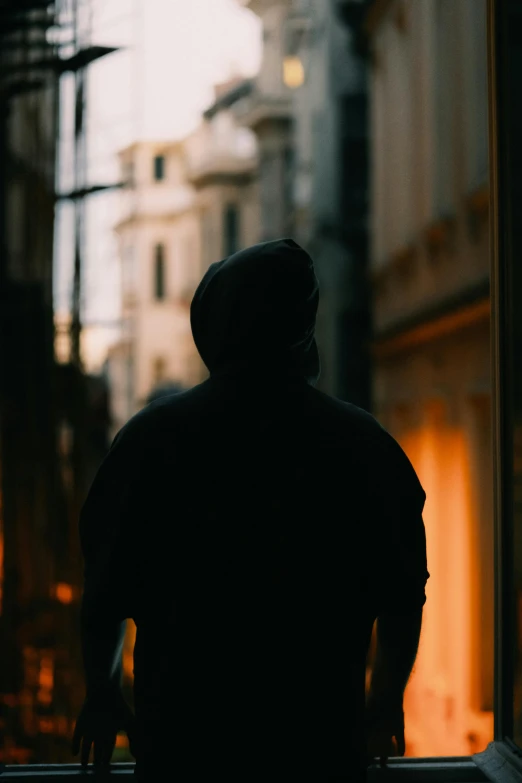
x=159, y=167
x=231, y=229
x=159, y=272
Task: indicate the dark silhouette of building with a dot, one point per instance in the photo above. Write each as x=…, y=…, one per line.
x=52, y=418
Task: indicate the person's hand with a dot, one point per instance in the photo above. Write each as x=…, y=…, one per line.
x=100, y=719
x=384, y=722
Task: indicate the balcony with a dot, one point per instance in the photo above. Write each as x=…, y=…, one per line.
x=220, y=152
x=153, y=201
x=261, y=109
x=221, y=168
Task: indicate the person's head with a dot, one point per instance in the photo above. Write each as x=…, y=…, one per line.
x=256, y=310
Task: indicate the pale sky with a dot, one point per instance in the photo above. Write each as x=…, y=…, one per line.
x=157, y=86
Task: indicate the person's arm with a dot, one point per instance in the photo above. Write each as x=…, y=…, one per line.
x=401, y=595
x=397, y=644
x=102, y=648
x=107, y=588
x=403, y=576
x=108, y=542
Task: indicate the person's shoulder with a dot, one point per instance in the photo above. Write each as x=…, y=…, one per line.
x=164, y=413
x=357, y=420
x=375, y=443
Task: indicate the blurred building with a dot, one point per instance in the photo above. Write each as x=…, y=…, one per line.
x=430, y=279
x=46, y=456
x=307, y=108
x=32, y=513
x=187, y=204
x=159, y=237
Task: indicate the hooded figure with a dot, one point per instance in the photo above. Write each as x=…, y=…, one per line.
x=254, y=528
x=255, y=312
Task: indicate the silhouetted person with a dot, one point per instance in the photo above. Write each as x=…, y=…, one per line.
x=254, y=528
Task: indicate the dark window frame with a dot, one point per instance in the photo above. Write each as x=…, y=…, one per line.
x=438, y=770
x=502, y=760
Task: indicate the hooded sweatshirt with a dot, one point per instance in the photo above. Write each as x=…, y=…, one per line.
x=253, y=528
x=255, y=311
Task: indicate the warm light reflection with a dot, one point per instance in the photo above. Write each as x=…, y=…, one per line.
x=128, y=650
x=293, y=72
x=62, y=726
x=12, y=755
x=63, y=593
x=442, y=717
x=46, y=725
x=46, y=681
x=121, y=741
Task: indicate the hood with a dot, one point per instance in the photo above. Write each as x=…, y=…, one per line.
x=255, y=311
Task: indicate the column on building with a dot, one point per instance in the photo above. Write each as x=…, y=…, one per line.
x=267, y=111
x=308, y=110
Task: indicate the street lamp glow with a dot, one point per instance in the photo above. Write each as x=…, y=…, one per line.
x=293, y=72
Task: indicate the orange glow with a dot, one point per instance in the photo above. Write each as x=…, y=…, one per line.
x=44, y=697
x=13, y=755
x=440, y=705
x=46, y=726
x=62, y=726
x=46, y=681
x=128, y=650
x=63, y=593
x=46, y=677
x=121, y=741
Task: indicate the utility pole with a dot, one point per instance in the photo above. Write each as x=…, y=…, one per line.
x=84, y=54
x=79, y=205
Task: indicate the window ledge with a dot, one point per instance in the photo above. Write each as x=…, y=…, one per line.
x=451, y=769
x=61, y=773
x=432, y=770
x=501, y=762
